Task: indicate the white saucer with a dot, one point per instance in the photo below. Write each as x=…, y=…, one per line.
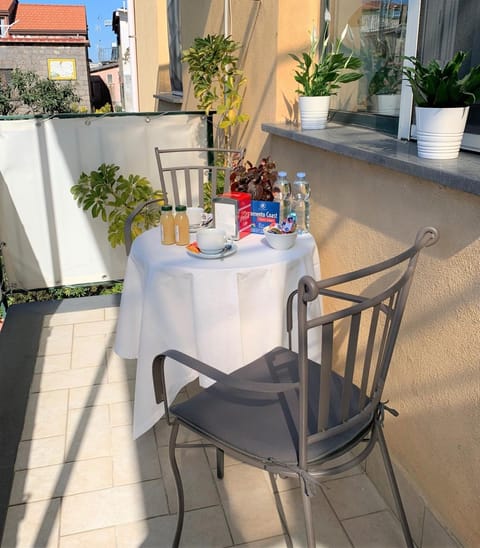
x=220, y=255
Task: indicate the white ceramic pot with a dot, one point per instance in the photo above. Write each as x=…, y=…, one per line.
x=386, y=104
x=313, y=112
x=440, y=131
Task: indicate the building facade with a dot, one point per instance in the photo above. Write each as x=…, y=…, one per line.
x=50, y=40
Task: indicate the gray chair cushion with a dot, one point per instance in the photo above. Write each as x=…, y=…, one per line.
x=265, y=426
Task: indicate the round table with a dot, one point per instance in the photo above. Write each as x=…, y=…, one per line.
x=225, y=312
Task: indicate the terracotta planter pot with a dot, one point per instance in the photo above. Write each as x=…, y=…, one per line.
x=313, y=112
x=440, y=131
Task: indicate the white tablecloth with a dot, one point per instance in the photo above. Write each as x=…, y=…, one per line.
x=225, y=312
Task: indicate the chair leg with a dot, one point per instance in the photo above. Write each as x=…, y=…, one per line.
x=394, y=486
x=178, y=484
x=307, y=511
x=220, y=463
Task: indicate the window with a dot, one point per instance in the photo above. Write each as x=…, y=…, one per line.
x=377, y=34
x=174, y=46
x=3, y=26
x=458, y=22
x=382, y=32
x=109, y=79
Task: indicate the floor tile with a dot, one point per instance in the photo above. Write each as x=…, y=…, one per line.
x=198, y=483
x=35, y=524
x=120, y=369
x=412, y=501
x=115, y=506
x=71, y=378
x=100, y=538
x=40, y=452
x=51, y=364
x=111, y=312
x=104, y=394
x=379, y=530
x=79, y=316
x=328, y=530
x=88, y=351
x=134, y=461
x=162, y=432
x=88, y=433
x=249, y=504
x=274, y=542
x=61, y=479
x=55, y=340
x=121, y=414
x=434, y=536
x=105, y=327
x=353, y=496
x=46, y=415
x=202, y=528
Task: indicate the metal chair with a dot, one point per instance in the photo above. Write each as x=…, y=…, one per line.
x=291, y=416
x=189, y=176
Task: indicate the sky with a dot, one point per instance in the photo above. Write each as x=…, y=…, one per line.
x=98, y=13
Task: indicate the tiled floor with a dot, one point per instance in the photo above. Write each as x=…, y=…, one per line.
x=80, y=480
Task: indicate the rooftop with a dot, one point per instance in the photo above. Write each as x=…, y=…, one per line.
x=50, y=19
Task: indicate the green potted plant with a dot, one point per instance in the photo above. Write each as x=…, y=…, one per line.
x=384, y=88
x=217, y=81
x=112, y=197
x=320, y=74
x=442, y=100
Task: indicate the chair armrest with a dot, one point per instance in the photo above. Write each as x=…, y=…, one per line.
x=212, y=373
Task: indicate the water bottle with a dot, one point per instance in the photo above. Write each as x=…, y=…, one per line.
x=282, y=194
x=301, y=202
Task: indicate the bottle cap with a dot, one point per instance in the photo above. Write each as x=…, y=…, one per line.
x=180, y=208
x=166, y=207
x=282, y=173
x=301, y=174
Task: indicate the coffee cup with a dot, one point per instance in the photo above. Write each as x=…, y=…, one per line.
x=195, y=216
x=211, y=240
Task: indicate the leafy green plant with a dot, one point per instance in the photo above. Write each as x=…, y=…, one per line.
x=321, y=73
x=433, y=86
x=217, y=81
x=112, y=197
x=28, y=93
x=387, y=80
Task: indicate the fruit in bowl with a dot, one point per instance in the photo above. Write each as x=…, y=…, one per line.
x=279, y=239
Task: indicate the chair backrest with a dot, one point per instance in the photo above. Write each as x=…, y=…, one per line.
x=188, y=176
x=357, y=341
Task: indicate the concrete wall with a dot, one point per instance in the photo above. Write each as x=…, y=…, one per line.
x=268, y=31
x=152, y=51
x=360, y=214
x=35, y=57
x=270, y=91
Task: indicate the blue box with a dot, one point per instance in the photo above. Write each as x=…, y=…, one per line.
x=264, y=214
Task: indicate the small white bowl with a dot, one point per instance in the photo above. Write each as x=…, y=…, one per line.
x=280, y=241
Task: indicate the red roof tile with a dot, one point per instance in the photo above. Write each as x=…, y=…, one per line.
x=49, y=19
x=5, y=6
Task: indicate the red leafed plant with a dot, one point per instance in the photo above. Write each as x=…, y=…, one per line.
x=256, y=180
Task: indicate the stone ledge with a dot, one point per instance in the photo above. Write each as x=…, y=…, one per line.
x=461, y=174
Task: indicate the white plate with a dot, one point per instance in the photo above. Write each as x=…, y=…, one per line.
x=220, y=255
